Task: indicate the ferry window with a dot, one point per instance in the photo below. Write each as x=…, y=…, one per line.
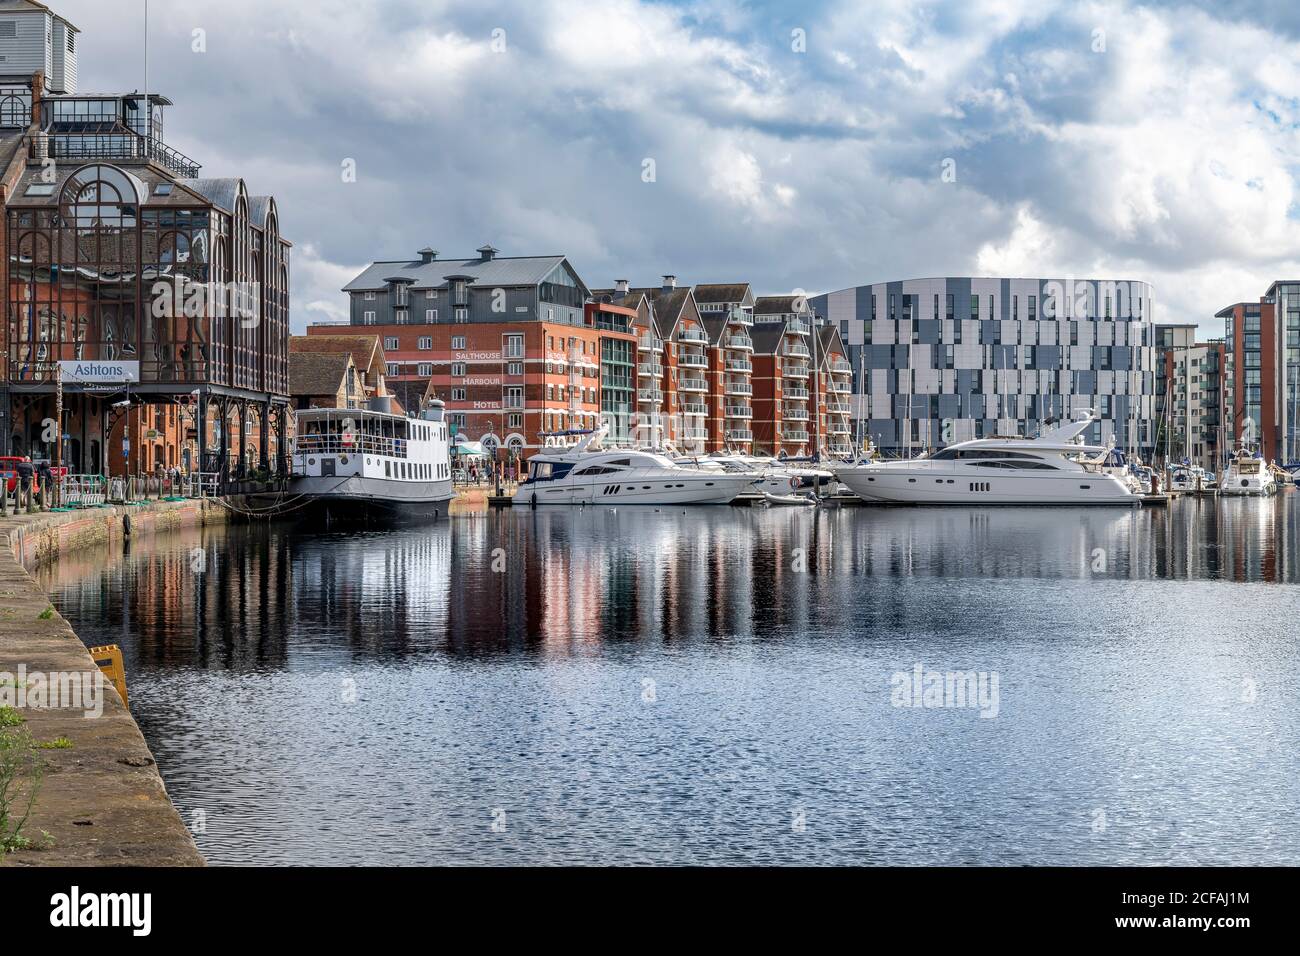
x=388, y=469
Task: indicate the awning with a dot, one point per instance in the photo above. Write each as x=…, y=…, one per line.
x=473, y=449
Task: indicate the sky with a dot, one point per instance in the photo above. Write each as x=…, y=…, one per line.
x=811, y=146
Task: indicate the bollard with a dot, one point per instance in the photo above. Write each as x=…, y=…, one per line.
x=31, y=498
x=4, y=497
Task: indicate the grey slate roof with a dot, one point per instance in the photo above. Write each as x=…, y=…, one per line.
x=721, y=292
x=518, y=271
x=778, y=304
x=258, y=209
x=220, y=192
x=668, y=307
x=715, y=325
x=767, y=337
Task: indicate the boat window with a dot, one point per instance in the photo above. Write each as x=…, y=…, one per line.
x=948, y=454
x=596, y=470
x=993, y=464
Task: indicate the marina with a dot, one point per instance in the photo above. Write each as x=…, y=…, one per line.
x=637, y=686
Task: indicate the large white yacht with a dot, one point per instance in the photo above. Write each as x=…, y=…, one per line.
x=590, y=474
x=1055, y=468
x=1247, y=474
x=366, y=465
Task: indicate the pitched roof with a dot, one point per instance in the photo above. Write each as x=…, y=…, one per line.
x=779, y=304
x=222, y=193
x=767, y=337
x=668, y=307
x=721, y=292
x=367, y=351
x=828, y=340
x=499, y=271
x=312, y=373
x=715, y=326
x=15, y=6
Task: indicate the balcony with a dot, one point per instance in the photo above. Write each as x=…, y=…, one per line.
x=790, y=435
x=740, y=365
x=695, y=409
x=797, y=370
x=798, y=349
x=793, y=413
x=652, y=395
x=692, y=360
x=841, y=450
x=838, y=428
x=650, y=369
x=739, y=411
x=741, y=342
x=693, y=335
x=740, y=317
x=694, y=434
x=799, y=327
x=836, y=408
x=687, y=384
x=841, y=366
x=649, y=343
x=839, y=388
x=740, y=435
x=798, y=393
x=739, y=388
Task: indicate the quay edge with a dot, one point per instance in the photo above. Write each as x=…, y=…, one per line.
x=102, y=801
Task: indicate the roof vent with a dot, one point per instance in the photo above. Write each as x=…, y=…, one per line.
x=427, y=255
x=670, y=283
x=621, y=286
x=487, y=253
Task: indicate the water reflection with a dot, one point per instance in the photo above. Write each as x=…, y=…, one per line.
x=503, y=660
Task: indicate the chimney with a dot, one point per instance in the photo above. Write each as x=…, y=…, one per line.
x=486, y=253
x=620, y=286
x=427, y=255
x=670, y=283
x=38, y=93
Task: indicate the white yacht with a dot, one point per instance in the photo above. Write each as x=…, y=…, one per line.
x=1247, y=474
x=1055, y=468
x=778, y=477
x=590, y=474
x=1187, y=477
x=364, y=465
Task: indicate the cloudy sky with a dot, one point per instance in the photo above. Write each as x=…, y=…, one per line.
x=795, y=146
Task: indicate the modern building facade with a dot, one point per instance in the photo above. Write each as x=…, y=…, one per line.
x=1190, y=397
x=937, y=361
x=1262, y=368
x=131, y=280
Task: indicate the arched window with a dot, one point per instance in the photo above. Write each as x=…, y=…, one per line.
x=15, y=112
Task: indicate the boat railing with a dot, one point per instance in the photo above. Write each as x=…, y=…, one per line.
x=350, y=444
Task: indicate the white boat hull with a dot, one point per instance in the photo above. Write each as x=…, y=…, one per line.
x=631, y=489
x=978, y=486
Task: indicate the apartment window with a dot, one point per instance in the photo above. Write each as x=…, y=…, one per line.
x=370, y=297
x=936, y=305
x=550, y=393
x=392, y=369
x=400, y=293
x=458, y=342
x=893, y=314
x=1074, y=333
x=390, y=343
x=458, y=394
x=515, y=421
x=424, y=369
x=368, y=318
x=873, y=307
x=462, y=314
x=430, y=316
x=951, y=311
x=514, y=397
x=992, y=314
x=514, y=346
x=515, y=368
x=975, y=307
x=424, y=342
x=402, y=316
x=431, y=293
x=458, y=369
x=1033, y=308
x=1015, y=307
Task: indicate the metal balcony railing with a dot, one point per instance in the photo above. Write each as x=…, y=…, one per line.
x=739, y=411
x=692, y=385
x=692, y=360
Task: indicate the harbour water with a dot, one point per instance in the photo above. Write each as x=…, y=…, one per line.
x=721, y=685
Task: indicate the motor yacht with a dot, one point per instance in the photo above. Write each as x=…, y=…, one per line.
x=587, y=473
x=1055, y=468
x=1187, y=477
x=1247, y=474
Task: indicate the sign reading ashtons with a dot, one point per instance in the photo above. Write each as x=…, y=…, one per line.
x=102, y=371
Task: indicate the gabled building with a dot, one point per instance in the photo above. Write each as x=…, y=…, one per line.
x=648, y=427
x=129, y=275
x=783, y=374
x=325, y=380
x=366, y=352
x=727, y=311
x=687, y=387
x=834, y=383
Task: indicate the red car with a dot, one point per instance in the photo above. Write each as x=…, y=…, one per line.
x=9, y=471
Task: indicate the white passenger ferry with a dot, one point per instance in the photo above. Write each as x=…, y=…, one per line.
x=366, y=465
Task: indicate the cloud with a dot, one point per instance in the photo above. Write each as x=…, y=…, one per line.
x=1169, y=154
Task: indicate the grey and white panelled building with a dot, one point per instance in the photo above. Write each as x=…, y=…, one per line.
x=938, y=361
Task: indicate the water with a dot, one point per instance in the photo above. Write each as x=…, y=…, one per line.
x=717, y=686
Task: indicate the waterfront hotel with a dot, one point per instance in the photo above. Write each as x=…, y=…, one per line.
x=133, y=282
x=937, y=361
